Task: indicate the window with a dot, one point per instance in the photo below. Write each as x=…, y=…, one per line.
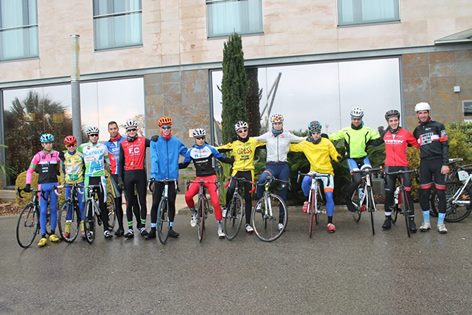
x=467, y=109
x=367, y=11
x=117, y=23
x=18, y=29
x=228, y=16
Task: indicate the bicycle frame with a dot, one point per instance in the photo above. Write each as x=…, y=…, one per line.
x=455, y=198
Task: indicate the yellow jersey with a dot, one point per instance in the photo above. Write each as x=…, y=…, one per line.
x=319, y=155
x=243, y=153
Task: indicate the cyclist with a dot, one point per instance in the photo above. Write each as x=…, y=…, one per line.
x=320, y=152
x=202, y=156
x=434, y=157
x=396, y=141
x=113, y=146
x=277, y=143
x=165, y=153
x=243, y=151
x=356, y=137
x=133, y=174
x=95, y=157
x=73, y=168
x=46, y=163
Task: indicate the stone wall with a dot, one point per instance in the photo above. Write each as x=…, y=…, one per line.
x=431, y=77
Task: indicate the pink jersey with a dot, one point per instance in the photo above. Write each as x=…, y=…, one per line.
x=46, y=165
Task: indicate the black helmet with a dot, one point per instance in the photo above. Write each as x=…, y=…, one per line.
x=392, y=112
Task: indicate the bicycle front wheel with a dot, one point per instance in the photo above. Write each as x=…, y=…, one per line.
x=89, y=222
x=68, y=222
x=371, y=208
x=163, y=221
x=234, y=217
x=356, y=215
x=27, y=226
x=406, y=208
x=458, y=212
x=312, y=217
x=270, y=210
x=202, y=211
x=111, y=211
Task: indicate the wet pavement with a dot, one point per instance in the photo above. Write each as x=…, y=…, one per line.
x=349, y=272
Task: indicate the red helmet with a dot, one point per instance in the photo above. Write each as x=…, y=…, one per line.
x=70, y=140
x=164, y=120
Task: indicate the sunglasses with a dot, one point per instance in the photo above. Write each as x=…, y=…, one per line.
x=132, y=129
x=200, y=138
x=316, y=132
x=242, y=130
x=166, y=127
x=93, y=135
x=70, y=145
x=276, y=123
x=357, y=119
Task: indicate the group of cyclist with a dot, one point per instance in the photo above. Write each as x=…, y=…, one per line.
x=126, y=155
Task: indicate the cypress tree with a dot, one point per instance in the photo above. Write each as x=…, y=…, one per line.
x=252, y=105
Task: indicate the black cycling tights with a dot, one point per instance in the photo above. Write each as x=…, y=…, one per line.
x=135, y=181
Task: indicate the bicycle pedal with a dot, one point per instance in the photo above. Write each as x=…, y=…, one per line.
x=362, y=208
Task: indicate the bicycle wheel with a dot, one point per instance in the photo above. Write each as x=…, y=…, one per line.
x=269, y=212
x=371, y=208
x=28, y=226
x=434, y=201
x=111, y=211
x=89, y=222
x=312, y=215
x=201, y=216
x=68, y=222
x=356, y=215
x=458, y=212
x=395, y=212
x=163, y=221
x=234, y=217
x=406, y=212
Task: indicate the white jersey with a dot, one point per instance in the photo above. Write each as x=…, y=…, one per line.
x=278, y=147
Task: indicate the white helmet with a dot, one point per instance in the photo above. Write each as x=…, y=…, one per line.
x=130, y=124
x=198, y=132
x=276, y=118
x=240, y=124
x=91, y=130
x=422, y=106
x=357, y=112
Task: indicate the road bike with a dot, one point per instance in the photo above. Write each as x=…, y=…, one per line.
x=203, y=207
x=163, y=222
x=234, y=215
x=68, y=216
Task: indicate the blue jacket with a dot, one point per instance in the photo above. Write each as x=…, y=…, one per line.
x=165, y=158
x=114, y=153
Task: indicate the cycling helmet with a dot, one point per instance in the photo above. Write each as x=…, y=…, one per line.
x=357, y=112
x=314, y=126
x=130, y=124
x=91, y=130
x=198, y=132
x=240, y=124
x=164, y=120
x=422, y=106
x=275, y=118
x=46, y=137
x=70, y=140
x=391, y=113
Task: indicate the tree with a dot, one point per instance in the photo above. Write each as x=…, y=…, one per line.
x=25, y=121
x=252, y=105
x=234, y=87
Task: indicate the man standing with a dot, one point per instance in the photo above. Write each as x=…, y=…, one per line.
x=434, y=157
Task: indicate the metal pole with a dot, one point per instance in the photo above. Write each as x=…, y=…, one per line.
x=75, y=89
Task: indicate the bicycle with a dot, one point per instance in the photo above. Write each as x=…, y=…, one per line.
x=363, y=196
x=28, y=226
x=70, y=213
x=162, y=210
x=203, y=208
x=315, y=198
x=234, y=215
x=458, y=193
x=265, y=217
x=402, y=200
x=92, y=209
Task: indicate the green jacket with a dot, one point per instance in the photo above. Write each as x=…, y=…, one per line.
x=357, y=140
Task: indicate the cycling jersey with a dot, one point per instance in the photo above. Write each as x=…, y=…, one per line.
x=202, y=157
x=396, y=144
x=319, y=155
x=278, y=146
x=357, y=140
x=95, y=156
x=243, y=153
x=46, y=164
x=432, y=139
x=113, y=146
x=165, y=158
x=133, y=154
x=73, y=167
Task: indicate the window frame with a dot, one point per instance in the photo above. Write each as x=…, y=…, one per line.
x=467, y=114
x=361, y=22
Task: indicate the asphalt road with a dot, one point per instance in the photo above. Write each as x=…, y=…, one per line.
x=349, y=272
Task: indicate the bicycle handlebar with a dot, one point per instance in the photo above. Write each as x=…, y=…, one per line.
x=312, y=175
x=367, y=170
x=241, y=179
x=400, y=172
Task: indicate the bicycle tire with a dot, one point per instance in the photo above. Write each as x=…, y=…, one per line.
x=266, y=225
x=163, y=221
x=395, y=212
x=27, y=226
x=455, y=213
x=111, y=211
x=74, y=221
x=311, y=217
x=234, y=217
x=406, y=212
x=356, y=215
x=371, y=208
x=89, y=222
x=201, y=213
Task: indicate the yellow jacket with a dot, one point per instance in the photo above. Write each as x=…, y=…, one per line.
x=243, y=153
x=319, y=155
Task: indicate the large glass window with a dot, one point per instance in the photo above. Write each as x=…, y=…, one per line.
x=367, y=11
x=18, y=29
x=228, y=16
x=325, y=92
x=117, y=23
x=30, y=112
